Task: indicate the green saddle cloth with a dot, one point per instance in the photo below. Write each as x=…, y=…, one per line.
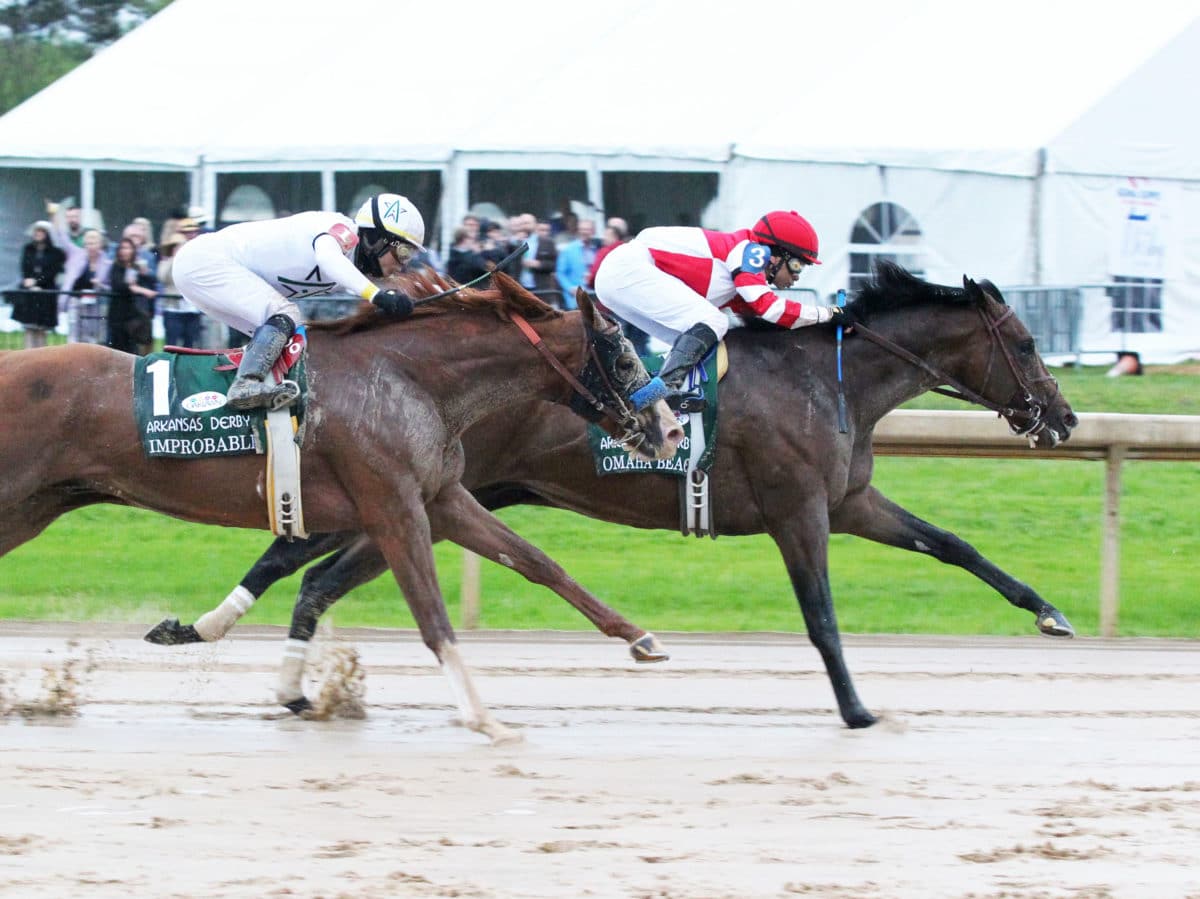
x=179, y=407
x=610, y=458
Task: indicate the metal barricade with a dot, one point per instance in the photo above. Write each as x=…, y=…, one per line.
x=87, y=318
x=1052, y=315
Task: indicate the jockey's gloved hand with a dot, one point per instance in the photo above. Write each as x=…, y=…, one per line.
x=846, y=316
x=395, y=303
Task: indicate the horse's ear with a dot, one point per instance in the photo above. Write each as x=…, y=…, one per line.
x=973, y=292
x=593, y=316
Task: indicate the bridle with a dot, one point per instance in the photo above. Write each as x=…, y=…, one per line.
x=584, y=401
x=1028, y=421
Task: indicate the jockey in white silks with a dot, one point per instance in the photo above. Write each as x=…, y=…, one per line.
x=250, y=275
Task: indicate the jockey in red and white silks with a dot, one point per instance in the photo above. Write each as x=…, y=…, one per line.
x=675, y=283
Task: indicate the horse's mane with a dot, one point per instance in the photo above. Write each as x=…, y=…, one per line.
x=893, y=287
x=504, y=298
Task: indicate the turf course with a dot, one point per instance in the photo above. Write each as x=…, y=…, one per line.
x=1037, y=519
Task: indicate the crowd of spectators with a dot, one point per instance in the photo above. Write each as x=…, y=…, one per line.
x=114, y=290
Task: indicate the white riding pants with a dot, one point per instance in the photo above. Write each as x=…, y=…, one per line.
x=631, y=285
x=227, y=291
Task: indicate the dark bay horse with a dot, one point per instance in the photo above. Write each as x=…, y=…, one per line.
x=382, y=455
x=782, y=468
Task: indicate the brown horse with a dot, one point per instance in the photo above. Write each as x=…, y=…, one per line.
x=783, y=467
x=382, y=454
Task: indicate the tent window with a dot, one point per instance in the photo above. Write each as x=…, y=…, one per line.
x=1136, y=304
x=884, y=231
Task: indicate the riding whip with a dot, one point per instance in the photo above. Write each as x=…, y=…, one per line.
x=519, y=251
x=842, y=428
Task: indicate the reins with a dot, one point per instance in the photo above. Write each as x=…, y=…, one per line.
x=959, y=391
x=622, y=416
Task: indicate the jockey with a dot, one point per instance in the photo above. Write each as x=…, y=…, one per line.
x=250, y=275
x=675, y=283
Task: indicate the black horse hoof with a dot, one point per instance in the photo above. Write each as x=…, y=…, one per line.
x=1053, y=623
x=861, y=718
x=169, y=632
x=298, y=706
x=646, y=648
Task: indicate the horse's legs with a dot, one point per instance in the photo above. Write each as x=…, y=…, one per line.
x=282, y=559
x=323, y=585
x=402, y=534
x=872, y=515
x=803, y=539
x=455, y=515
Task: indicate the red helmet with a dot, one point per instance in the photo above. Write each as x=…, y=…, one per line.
x=789, y=231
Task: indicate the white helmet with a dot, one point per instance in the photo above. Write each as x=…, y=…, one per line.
x=392, y=216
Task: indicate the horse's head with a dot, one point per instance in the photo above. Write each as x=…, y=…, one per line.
x=1019, y=385
x=612, y=373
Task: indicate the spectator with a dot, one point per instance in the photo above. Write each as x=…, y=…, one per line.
x=574, y=261
x=146, y=238
x=130, y=302
x=87, y=268
x=464, y=262
x=565, y=226
x=539, y=262
x=68, y=222
x=495, y=247
x=36, y=306
x=181, y=319
x=135, y=232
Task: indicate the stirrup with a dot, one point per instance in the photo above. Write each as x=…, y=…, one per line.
x=285, y=394
x=270, y=396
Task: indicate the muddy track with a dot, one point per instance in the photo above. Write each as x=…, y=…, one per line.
x=1023, y=767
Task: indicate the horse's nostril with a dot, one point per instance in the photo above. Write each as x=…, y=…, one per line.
x=1071, y=420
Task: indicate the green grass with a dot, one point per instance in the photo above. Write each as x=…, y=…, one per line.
x=1039, y=520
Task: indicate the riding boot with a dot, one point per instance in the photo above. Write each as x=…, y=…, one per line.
x=251, y=388
x=689, y=348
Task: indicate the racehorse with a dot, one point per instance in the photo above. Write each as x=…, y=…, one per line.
x=782, y=468
x=382, y=456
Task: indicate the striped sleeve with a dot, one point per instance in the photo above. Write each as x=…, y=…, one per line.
x=748, y=261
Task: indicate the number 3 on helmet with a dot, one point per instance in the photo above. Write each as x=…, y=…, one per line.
x=790, y=232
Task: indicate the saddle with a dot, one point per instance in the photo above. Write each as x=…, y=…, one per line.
x=180, y=412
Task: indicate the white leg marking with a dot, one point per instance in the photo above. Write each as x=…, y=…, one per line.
x=474, y=714
x=291, y=673
x=216, y=624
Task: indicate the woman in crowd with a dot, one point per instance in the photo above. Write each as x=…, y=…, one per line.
x=36, y=305
x=130, y=302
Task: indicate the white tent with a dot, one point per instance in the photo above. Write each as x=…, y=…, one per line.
x=935, y=111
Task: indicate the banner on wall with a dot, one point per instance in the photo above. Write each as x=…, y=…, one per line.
x=1140, y=232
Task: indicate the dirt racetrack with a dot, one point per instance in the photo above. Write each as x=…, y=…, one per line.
x=1003, y=767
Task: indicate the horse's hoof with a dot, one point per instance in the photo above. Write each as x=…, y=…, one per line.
x=298, y=706
x=1053, y=623
x=169, y=632
x=504, y=736
x=859, y=719
x=646, y=648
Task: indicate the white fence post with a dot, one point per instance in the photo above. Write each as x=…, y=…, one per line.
x=469, y=592
x=1110, y=545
